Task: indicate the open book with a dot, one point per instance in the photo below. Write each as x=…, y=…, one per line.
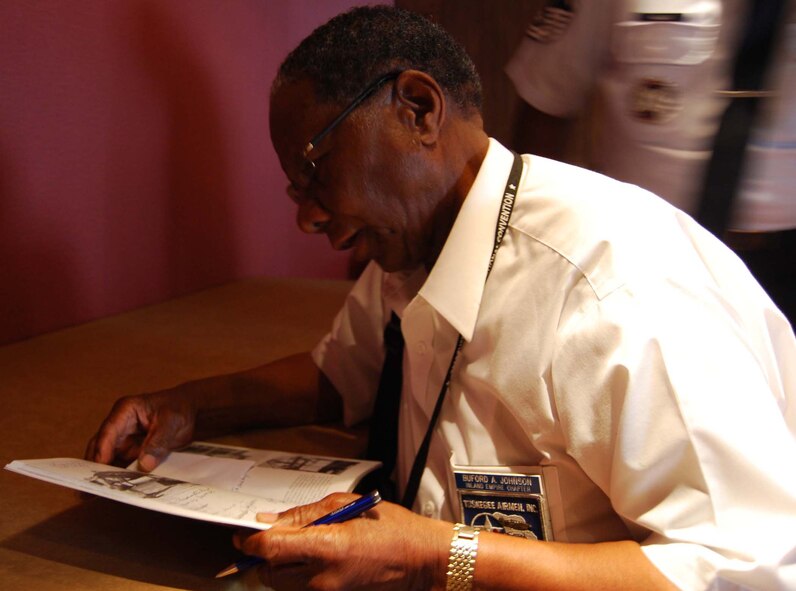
x=209, y=481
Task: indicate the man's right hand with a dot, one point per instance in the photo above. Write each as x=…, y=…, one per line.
x=285, y=392
x=145, y=427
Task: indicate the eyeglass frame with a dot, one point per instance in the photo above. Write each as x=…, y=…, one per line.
x=307, y=170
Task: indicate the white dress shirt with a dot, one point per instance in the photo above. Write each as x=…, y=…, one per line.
x=616, y=343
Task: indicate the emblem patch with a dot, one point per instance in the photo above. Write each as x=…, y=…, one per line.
x=552, y=21
x=510, y=503
x=655, y=101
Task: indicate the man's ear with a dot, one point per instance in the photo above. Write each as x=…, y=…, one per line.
x=421, y=105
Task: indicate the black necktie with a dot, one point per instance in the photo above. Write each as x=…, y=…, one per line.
x=383, y=439
x=725, y=167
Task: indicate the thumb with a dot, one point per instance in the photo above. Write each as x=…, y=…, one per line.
x=149, y=461
x=153, y=451
x=302, y=515
x=169, y=429
x=270, y=518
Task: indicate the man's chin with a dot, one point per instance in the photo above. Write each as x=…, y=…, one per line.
x=386, y=265
x=394, y=266
x=390, y=260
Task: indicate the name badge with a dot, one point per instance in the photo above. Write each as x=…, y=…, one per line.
x=515, y=503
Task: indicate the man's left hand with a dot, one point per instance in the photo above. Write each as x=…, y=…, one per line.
x=388, y=547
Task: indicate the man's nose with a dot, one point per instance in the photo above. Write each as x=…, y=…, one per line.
x=311, y=217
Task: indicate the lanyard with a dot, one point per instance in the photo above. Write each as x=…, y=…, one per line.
x=506, y=207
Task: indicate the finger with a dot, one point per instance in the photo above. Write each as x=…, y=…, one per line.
x=285, y=546
x=112, y=443
x=289, y=577
x=126, y=450
x=129, y=448
x=270, y=518
x=167, y=431
x=94, y=450
x=305, y=514
x=120, y=423
x=91, y=448
x=241, y=534
x=156, y=444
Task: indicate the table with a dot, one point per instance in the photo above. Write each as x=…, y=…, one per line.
x=56, y=388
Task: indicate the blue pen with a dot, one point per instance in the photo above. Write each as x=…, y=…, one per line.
x=344, y=513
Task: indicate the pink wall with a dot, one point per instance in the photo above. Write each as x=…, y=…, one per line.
x=135, y=163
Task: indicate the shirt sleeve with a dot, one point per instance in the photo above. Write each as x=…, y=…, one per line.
x=687, y=433
x=352, y=353
x=558, y=60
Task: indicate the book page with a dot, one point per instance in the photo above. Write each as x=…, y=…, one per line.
x=281, y=477
x=151, y=491
x=210, y=482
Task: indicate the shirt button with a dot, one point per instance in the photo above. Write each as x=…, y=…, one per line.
x=429, y=508
x=422, y=348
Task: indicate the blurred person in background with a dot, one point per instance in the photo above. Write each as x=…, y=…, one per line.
x=696, y=101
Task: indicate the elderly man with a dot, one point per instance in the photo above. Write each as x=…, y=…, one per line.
x=594, y=389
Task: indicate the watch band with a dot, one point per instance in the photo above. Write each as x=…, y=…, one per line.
x=461, y=563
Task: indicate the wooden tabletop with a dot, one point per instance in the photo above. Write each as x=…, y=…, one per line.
x=55, y=390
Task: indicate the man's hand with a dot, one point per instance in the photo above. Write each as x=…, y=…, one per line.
x=288, y=391
x=390, y=548
x=146, y=427
x=387, y=548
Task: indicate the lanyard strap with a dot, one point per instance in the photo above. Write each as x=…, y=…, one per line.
x=506, y=207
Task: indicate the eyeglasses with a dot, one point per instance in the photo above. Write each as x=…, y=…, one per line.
x=307, y=170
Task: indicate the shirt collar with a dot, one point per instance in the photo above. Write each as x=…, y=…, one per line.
x=455, y=284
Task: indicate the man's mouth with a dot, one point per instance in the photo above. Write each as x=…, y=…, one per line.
x=364, y=242
x=345, y=243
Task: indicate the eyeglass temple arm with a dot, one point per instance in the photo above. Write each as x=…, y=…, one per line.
x=354, y=104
